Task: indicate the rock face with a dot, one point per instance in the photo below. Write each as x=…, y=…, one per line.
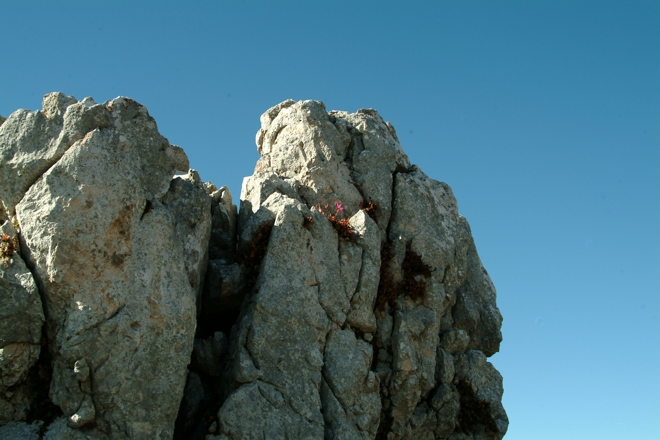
x=346, y=300
x=371, y=316
x=117, y=246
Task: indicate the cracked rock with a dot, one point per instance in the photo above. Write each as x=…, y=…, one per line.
x=118, y=248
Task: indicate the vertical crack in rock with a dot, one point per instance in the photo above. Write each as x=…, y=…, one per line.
x=25, y=369
x=118, y=280
x=345, y=300
x=311, y=162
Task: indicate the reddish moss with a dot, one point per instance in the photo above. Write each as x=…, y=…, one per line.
x=370, y=208
x=413, y=268
x=343, y=228
x=341, y=225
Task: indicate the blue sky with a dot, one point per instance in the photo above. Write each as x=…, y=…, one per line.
x=544, y=117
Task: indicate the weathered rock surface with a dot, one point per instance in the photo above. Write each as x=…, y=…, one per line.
x=21, y=320
x=118, y=248
x=369, y=298
x=346, y=300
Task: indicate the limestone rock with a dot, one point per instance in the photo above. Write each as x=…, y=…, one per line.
x=118, y=248
x=33, y=141
x=480, y=387
x=189, y=204
x=223, y=287
x=367, y=298
x=354, y=399
x=21, y=319
x=346, y=300
x=193, y=399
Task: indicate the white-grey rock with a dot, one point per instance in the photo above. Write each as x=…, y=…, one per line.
x=317, y=170
x=363, y=300
x=478, y=381
x=31, y=142
x=223, y=287
x=360, y=307
x=193, y=399
x=118, y=248
x=475, y=310
x=190, y=205
x=353, y=386
x=60, y=430
x=279, y=339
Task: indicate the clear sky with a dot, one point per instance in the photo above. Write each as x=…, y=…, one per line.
x=544, y=117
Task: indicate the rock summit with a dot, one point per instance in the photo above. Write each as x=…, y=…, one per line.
x=344, y=300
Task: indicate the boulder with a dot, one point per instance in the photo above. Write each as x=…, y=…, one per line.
x=367, y=298
x=346, y=299
x=115, y=229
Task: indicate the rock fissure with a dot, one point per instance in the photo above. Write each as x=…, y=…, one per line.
x=345, y=300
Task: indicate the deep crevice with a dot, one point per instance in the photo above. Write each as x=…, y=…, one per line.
x=39, y=380
x=194, y=419
x=148, y=207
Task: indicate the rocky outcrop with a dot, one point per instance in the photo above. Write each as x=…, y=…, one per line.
x=117, y=246
x=346, y=299
x=370, y=273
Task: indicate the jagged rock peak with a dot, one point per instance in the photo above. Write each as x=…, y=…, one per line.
x=114, y=229
x=346, y=299
x=371, y=315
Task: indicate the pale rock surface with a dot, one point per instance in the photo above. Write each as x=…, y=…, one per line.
x=189, y=204
x=33, y=141
x=118, y=248
x=350, y=287
x=312, y=355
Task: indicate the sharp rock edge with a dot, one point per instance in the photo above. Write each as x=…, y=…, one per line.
x=346, y=299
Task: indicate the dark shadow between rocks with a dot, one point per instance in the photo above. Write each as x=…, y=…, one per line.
x=39, y=379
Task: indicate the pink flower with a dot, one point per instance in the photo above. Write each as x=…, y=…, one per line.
x=340, y=208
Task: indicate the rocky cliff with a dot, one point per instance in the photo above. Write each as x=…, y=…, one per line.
x=346, y=299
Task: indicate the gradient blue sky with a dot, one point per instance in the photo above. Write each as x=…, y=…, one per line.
x=544, y=117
